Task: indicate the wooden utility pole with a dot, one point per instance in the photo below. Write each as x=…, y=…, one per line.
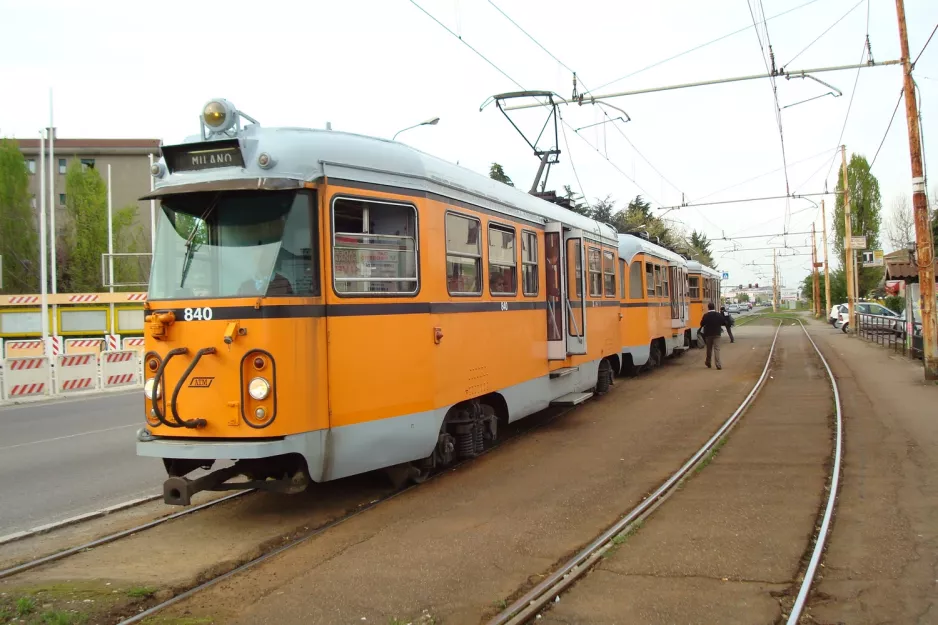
x=848, y=244
x=817, y=285
x=925, y=256
x=827, y=275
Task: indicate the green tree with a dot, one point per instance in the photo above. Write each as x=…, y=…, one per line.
x=129, y=238
x=19, y=241
x=865, y=209
x=497, y=172
x=742, y=297
x=838, y=288
x=86, y=230
x=603, y=209
x=700, y=246
x=575, y=202
x=638, y=217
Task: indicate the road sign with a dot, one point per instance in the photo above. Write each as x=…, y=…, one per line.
x=873, y=258
x=858, y=243
x=726, y=275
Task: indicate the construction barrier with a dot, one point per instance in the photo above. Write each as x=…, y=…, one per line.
x=119, y=368
x=113, y=342
x=76, y=372
x=55, y=346
x=134, y=343
x=84, y=346
x=25, y=377
x=23, y=349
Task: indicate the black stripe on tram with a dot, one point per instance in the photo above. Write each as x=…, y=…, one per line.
x=310, y=311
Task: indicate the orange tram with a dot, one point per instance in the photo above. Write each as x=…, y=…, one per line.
x=322, y=304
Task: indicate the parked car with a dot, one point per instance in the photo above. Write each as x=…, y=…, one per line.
x=732, y=308
x=749, y=305
x=871, y=308
x=834, y=315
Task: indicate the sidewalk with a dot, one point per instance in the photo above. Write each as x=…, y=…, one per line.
x=882, y=557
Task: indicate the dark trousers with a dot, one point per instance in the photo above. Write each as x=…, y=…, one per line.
x=729, y=332
x=713, y=349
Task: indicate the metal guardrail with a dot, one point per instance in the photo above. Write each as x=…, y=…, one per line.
x=900, y=335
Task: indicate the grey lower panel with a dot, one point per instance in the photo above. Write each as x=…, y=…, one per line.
x=639, y=354
x=361, y=447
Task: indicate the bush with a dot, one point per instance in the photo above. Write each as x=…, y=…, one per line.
x=895, y=303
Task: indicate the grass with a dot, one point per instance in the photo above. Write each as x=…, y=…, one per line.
x=140, y=592
x=710, y=456
x=25, y=606
x=56, y=604
x=620, y=539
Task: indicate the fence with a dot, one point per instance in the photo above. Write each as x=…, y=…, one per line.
x=900, y=335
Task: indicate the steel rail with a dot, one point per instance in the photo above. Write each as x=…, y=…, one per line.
x=528, y=605
x=323, y=528
x=811, y=570
x=31, y=564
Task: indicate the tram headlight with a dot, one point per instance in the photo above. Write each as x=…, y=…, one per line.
x=219, y=115
x=148, y=388
x=259, y=389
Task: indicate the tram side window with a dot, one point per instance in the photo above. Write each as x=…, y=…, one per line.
x=657, y=281
x=463, y=255
x=609, y=274
x=665, y=289
x=694, y=283
x=635, y=281
x=375, y=247
x=622, y=270
x=529, y=272
x=595, y=273
x=503, y=270
x=650, y=279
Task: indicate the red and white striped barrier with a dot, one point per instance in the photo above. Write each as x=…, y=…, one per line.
x=113, y=342
x=23, y=299
x=81, y=299
x=55, y=346
x=25, y=377
x=119, y=368
x=134, y=343
x=84, y=346
x=137, y=297
x=23, y=349
x=76, y=372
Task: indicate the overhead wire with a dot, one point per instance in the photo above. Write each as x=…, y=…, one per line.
x=886, y=134
x=925, y=46
x=829, y=28
x=695, y=48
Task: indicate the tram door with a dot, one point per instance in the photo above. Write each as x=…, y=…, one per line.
x=556, y=299
x=575, y=298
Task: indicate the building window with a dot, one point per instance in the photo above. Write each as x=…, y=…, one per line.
x=609, y=274
x=375, y=247
x=650, y=274
x=635, y=281
x=622, y=270
x=503, y=270
x=463, y=255
x=63, y=166
x=87, y=163
x=595, y=268
x=694, y=287
x=62, y=199
x=529, y=272
x=31, y=165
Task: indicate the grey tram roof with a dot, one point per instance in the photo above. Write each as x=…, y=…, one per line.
x=630, y=245
x=306, y=155
x=697, y=267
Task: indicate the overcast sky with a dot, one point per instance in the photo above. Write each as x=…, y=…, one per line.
x=136, y=69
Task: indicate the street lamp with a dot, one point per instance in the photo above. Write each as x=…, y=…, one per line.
x=429, y=122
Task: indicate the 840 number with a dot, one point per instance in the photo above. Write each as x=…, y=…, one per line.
x=197, y=314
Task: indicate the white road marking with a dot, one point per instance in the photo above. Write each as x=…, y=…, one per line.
x=60, y=438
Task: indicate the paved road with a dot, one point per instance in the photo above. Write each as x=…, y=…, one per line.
x=63, y=458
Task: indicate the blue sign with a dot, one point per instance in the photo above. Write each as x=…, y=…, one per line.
x=726, y=275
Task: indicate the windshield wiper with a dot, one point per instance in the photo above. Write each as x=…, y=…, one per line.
x=190, y=251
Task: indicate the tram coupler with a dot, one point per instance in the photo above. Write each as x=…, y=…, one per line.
x=178, y=491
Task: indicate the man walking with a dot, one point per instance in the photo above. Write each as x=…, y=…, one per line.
x=728, y=322
x=712, y=325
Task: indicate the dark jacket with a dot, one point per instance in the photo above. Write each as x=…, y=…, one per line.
x=712, y=323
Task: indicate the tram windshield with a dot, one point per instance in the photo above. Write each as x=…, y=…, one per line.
x=235, y=244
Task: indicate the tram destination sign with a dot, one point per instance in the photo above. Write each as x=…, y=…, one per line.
x=203, y=155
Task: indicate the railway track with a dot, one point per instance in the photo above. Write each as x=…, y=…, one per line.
x=535, y=600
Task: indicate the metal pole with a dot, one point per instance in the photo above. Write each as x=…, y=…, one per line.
x=774, y=280
x=801, y=73
x=848, y=244
x=814, y=272
x=152, y=213
x=43, y=259
x=827, y=274
x=923, y=237
x=110, y=245
x=53, y=234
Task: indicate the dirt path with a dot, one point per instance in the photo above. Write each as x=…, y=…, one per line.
x=881, y=564
x=729, y=544
x=460, y=546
